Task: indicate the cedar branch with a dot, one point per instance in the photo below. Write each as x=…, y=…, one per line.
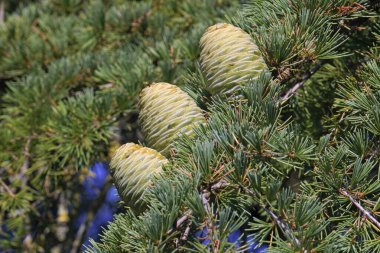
x=305, y=77
x=1, y=12
x=360, y=207
x=7, y=189
x=283, y=225
x=79, y=237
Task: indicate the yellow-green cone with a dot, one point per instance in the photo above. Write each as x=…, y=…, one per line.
x=166, y=112
x=229, y=58
x=132, y=168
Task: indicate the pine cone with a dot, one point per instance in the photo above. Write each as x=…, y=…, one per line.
x=132, y=168
x=229, y=58
x=166, y=112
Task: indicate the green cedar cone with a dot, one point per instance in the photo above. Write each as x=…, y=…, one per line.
x=132, y=168
x=166, y=112
x=229, y=58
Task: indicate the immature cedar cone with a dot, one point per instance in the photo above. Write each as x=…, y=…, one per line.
x=166, y=112
x=132, y=168
x=229, y=58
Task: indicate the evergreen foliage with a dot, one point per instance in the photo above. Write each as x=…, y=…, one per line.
x=73, y=71
x=290, y=161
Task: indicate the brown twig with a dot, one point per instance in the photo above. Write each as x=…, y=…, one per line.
x=305, y=77
x=220, y=185
x=360, y=207
x=25, y=165
x=7, y=189
x=21, y=175
x=205, y=201
x=44, y=37
x=77, y=242
x=79, y=237
x=205, y=197
x=1, y=12
x=62, y=227
x=283, y=225
x=279, y=221
x=187, y=232
x=180, y=221
x=183, y=219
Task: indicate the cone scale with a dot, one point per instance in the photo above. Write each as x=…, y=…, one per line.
x=229, y=58
x=132, y=168
x=167, y=112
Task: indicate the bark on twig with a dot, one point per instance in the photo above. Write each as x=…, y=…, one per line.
x=79, y=237
x=361, y=208
x=77, y=242
x=62, y=219
x=279, y=221
x=283, y=225
x=205, y=197
x=187, y=232
x=220, y=185
x=183, y=219
x=2, y=12
x=25, y=166
x=7, y=189
x=306, y=77
x=180, y=221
